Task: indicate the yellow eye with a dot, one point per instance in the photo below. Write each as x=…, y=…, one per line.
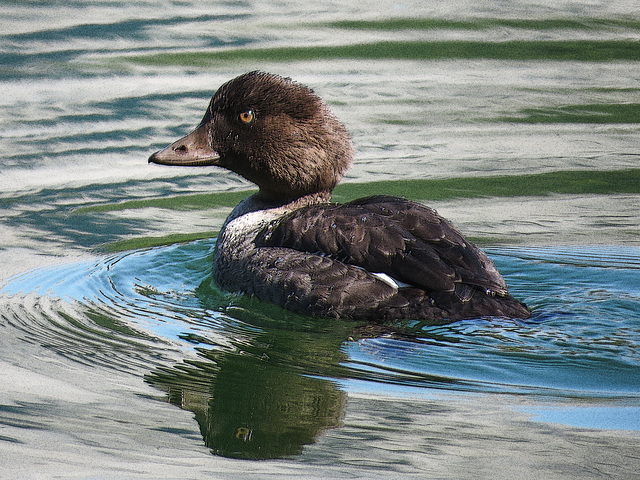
x=246, y=116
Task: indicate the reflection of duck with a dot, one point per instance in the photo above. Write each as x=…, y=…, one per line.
x=375, y=258
x=268, y=394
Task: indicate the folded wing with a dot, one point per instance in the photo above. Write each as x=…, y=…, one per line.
x=405, y=240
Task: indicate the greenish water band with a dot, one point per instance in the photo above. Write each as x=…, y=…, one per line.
x=564, y=50
x=566, y=182
x=580, y=24
x=601, y=182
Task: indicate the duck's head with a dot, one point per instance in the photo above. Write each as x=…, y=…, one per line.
x=271, y=130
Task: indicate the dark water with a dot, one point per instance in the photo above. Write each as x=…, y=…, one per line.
x=118, y=360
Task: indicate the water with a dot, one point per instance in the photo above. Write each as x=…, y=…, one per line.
x=120, y=360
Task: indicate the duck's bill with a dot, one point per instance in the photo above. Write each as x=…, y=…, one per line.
x=190, y=151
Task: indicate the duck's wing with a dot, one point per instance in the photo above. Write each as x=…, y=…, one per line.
x=404, y=239
x=315, y=284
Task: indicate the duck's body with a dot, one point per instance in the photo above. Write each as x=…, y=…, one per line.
x=375, y=258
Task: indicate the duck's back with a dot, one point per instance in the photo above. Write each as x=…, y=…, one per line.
x=326, y=259
x=391, y=235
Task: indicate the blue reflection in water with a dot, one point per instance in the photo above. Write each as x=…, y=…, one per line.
x=582, y=343
x=608, y=417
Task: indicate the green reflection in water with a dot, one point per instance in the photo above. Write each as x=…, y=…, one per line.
x=539, y=184
x=560, y=182
x=592, y=113
x=570, y=182
x=266, y=396
x=194, y=201
x=575, y=50
x=138, y=243
x=487, y=23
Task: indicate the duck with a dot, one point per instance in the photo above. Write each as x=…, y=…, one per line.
x=374, y=259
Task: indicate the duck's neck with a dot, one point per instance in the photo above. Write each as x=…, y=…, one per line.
x=260, y=202
x=293, y=202
x=316, y=198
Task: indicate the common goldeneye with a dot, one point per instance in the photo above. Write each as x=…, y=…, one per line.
x=376, y=258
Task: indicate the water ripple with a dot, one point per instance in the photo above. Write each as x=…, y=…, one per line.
x=583, y=340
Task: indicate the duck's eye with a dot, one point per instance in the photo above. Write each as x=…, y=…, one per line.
x=247, y=116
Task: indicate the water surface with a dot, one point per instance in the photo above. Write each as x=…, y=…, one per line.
x=118, y=356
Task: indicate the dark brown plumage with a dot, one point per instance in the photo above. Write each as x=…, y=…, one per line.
x=290, y=246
